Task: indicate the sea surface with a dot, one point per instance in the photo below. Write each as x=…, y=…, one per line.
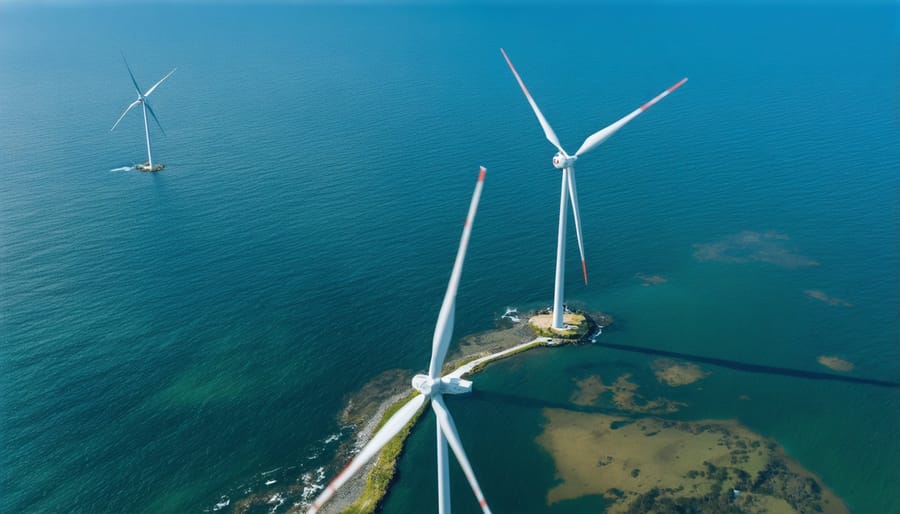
x=173, y=340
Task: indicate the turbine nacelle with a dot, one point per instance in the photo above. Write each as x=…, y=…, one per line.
x=443, y=385
x=562, y=161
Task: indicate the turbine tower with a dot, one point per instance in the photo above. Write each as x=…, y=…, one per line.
x=145, y=105
x=566, y=163
x=432, y=387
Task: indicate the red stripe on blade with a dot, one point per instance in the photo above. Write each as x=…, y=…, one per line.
x=678, y=85
x=481, y=173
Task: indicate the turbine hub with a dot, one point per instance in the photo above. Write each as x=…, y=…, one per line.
x=426, y=385
x=561, y=161
x=445, y=385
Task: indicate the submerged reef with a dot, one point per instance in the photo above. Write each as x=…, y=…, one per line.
x=748, y=246
x=835, y=363
x=648, y=464
x=640, y=462
x=651, y=280
x=677, y=373
x=624, y=396
x=822, y=296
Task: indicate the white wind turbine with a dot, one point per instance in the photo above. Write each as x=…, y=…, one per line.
x=142, y=99
x=566, y=163
x=431, y=386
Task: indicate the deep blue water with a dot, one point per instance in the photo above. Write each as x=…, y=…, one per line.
x=167, y=338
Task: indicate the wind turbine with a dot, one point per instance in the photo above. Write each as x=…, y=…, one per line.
x=431, y=386
x=145, y=105
x=565, y=162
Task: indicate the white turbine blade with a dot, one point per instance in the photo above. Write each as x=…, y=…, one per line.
x=600, y=136
x=124, y=113
x=449, y=430
x=160, y=82
x=443, y=330
x=133, y=81
x=387, y=432
x=548, y=130
x=147, y=104
x=573, y=195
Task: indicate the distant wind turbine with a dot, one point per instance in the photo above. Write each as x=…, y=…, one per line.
x=566, y=163
x=142, y=99
x=431, y=386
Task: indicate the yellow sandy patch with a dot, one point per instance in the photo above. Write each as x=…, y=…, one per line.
x=544, y=321
x=651, y=280
x=835, y=363
x=822, y=296
x=623, y=394
x=624, y=459
x=677, y=373
x=542, y=325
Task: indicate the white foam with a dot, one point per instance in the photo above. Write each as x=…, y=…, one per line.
x=511, y=314
x=223, y=502
x=277, y=500
x=123, y=168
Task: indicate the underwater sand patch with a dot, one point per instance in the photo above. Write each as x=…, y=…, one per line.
x=623, y=395
x=646, y=464
x=651, y=280
x=835, y=363
x=822, y=296
x=677, y=373
x=747, y=246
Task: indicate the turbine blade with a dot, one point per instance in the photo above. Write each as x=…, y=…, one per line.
x=124, y=113
x=443, y=330
x=133, y=81
x=393, y=426
x=160, y=82
x=602, y=135
x=147, y=104
x=449, y=429
x=573, y=195
x=548, y=130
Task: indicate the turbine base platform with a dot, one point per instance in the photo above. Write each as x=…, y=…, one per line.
x=146, y=167
x=576, y=326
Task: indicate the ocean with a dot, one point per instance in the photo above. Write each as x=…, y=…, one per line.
x=174, y=338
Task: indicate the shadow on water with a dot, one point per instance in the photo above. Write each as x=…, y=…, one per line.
x=753, y=368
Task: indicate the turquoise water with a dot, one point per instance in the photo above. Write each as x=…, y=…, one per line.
x=168, y=338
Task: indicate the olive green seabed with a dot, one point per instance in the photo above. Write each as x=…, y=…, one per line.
x=655, y=465
x=643, y=463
